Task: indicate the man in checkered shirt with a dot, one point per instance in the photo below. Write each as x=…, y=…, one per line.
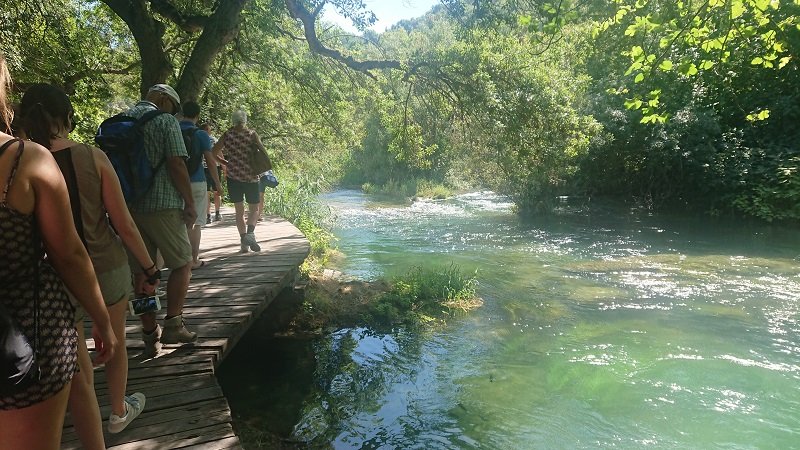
x=163, y=213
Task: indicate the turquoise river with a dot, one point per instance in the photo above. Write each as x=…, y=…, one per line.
x=601, y=329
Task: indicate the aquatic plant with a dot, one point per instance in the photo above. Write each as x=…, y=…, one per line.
x=426, y=295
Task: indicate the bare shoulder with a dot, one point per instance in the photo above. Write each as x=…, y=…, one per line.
x=38, y=163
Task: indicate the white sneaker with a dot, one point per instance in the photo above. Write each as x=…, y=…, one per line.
x=134, y=404
x=250, y=240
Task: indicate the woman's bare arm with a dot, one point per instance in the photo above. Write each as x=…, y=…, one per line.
x=64, y=248
x=120, y=217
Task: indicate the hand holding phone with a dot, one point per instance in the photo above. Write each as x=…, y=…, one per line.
x=143, y=305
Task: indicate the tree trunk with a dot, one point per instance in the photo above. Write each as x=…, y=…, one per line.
x=148, y=33
x=219, y=31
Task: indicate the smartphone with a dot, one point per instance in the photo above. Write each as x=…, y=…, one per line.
x=142, y=305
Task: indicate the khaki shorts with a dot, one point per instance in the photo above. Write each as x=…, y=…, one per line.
x=200, y=196
x=116, y=285
x=164, y=231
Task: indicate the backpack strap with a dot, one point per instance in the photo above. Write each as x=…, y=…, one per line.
x=142, y=121
x=65, y=163
x=13, y=167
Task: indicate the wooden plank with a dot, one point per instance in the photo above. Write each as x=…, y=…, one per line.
x=217, y=409
x=231, y=442
x=186, y=407
x=178, y=440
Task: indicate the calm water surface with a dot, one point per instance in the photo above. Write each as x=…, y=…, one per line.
x=608, y=329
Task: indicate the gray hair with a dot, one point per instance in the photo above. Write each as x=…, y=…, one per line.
x=239, y=117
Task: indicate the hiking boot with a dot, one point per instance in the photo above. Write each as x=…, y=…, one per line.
x=250, y=240
x=208, y=219
x=245, y=247
x=175, y=331
x=217, y=216
x=134, y=404
x=152, y=343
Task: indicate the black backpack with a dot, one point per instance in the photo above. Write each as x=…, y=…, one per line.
x=195, y=158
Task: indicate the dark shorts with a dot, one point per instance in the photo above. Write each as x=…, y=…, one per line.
x=239, y=191
x=210, y=181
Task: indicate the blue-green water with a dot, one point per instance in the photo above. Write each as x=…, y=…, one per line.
x=602, y=329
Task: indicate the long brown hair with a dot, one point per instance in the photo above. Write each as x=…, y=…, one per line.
x=6, y=112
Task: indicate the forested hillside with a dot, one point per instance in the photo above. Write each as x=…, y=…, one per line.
x=668, y=104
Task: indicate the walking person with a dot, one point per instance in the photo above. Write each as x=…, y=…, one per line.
x=200, y=142
x=163, y=214
x=34, y=208
x=95, y=198
x=238, y=143
x=214, y=189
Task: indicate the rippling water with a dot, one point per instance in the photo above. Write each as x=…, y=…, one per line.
x=608, y=329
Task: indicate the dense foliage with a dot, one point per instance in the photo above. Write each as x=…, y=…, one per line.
x=689, y=104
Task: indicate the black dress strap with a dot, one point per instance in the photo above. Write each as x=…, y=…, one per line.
x=13, y=167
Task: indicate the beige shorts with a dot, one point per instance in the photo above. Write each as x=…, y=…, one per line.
x=200, y=196
x=164, y=231
x=116, y=285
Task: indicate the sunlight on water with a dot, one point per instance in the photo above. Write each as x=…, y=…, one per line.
x=609, y=331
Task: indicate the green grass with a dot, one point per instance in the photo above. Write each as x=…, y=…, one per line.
x=410, y=188
x=296, y=199
x=425, y=296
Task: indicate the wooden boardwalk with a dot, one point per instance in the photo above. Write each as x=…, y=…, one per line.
x=185, y=405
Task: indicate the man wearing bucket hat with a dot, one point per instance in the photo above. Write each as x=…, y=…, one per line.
x=162, y=215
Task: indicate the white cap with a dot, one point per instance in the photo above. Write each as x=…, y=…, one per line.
x=167, y=89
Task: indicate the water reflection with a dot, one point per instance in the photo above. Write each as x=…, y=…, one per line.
x=597, y=330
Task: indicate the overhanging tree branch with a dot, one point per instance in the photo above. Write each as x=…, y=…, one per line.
x=298, y=11
x=188, y=23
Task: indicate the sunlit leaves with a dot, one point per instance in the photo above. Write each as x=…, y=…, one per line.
x=758, y=116
x=690, y=38
x=688, y=69
x=737, y=9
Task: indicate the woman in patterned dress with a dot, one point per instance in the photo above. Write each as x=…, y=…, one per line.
x=34, y=200
x=237, y=144
x=106, y=228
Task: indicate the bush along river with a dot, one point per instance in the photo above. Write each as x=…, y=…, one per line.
x=608, y=328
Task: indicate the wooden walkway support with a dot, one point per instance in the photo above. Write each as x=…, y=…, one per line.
x=185, y=405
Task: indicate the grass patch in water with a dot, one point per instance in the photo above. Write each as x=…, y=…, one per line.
x=410, y=188
x=424, y=296
x=421, y=297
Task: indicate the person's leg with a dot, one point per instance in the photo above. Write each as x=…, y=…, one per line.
x=208, y=208
x=209, y=190
x=195, y=233
x=151, y=333
x=83, y=407
x=218, y=194
x=175, y=331
x=174, y=245
x=177, y=286
x=200, y=196
x=117, y=366
x=252, y=216
x=249, y=238
x=36, y=427
x=239, y=210
x=260, y=205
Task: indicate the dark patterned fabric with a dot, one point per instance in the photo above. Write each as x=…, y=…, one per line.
x=57, y=338
x=237, y=148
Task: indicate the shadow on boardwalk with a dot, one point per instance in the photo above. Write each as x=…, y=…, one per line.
x=185, y=406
